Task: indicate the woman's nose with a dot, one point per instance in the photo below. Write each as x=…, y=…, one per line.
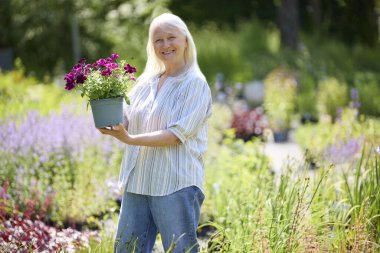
x=166, y=43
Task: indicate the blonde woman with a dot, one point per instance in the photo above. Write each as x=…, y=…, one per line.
x=166, y=135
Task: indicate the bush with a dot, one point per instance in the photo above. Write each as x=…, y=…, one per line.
x=306, y=97
x=47, y=160
x=280, y=98
x=369, y=93
x=25, y=94
x=332, y=95
x=249, y=123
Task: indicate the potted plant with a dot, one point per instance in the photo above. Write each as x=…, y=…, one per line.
x=279, y=102
x=105, y=83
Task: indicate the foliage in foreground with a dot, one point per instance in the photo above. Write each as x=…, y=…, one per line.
x=252, y=210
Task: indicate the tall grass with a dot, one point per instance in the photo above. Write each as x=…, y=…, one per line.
x=333, y=209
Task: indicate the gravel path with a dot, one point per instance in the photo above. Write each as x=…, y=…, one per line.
x=281, y=154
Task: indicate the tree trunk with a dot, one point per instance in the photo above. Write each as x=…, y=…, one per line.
x=288, y=22
x=315, y=12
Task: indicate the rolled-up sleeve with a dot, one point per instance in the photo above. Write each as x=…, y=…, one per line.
x=191, y=110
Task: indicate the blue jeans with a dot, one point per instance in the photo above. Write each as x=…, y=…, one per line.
x=175, y=216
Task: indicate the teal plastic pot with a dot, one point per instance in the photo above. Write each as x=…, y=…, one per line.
x=107, y=112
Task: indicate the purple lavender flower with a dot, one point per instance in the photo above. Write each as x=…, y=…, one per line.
x=354, y=94
x=339, y=113
x=342, y=152
x=378, y=149
x=46, y=136
x=355, y=98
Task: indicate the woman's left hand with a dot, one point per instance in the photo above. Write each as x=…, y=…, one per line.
x=118, y=131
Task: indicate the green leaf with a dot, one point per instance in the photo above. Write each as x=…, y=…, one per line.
x=127, y=100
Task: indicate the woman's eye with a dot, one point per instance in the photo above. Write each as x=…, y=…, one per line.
x=158, y=40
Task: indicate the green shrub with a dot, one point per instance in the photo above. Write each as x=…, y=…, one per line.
x=25, y=94
x=369, y=93
x=280, y=98
x=306, y=95
x=332, y=95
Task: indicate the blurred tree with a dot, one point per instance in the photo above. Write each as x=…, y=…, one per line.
x=6, y=35
x=49, y=36
x=352, y=21
x=288, y=22
x=355, y=21
x=40, y=32
x=223, y=12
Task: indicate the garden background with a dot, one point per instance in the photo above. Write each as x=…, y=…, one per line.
x=300, y=71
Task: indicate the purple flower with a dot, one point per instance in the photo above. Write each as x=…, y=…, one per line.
x=77, y=67
x=354, y=94
x=101, y=63
x=81, y=78
x=130, y=69
x=107, y=67
x=378, y=149
x=112, y=65
x=87, y=69
x=114, y=56
x=70, y=81
x=343, y=151
x=355, y=98
x=106, y=72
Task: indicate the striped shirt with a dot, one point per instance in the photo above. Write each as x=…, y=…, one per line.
x=182, y=106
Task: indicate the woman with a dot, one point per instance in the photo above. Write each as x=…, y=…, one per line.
x=162, y=169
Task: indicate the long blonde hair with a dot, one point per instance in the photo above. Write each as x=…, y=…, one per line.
x=154, y=66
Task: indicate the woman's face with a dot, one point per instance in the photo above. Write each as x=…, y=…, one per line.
x=169, y=45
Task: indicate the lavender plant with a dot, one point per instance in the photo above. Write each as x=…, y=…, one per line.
x=53, y=156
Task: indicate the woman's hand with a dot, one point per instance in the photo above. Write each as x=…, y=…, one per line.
x=118, y=131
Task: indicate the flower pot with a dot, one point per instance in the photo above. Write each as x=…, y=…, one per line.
x=280, y=136
x=107, y=112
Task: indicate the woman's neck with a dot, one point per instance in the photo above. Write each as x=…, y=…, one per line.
x=175, y=70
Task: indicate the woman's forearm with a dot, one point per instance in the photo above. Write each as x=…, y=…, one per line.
x=153, y=139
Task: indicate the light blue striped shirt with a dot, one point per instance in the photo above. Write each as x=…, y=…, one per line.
x=182, y=106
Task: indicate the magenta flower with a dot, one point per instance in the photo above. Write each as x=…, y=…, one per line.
x=81, y=78
x=114, y=56
x=70, y=81
x=106, y=72
x=112, y=65
x=101, y=63
x=129, y=69
x=77, y=67
x=104, y=78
